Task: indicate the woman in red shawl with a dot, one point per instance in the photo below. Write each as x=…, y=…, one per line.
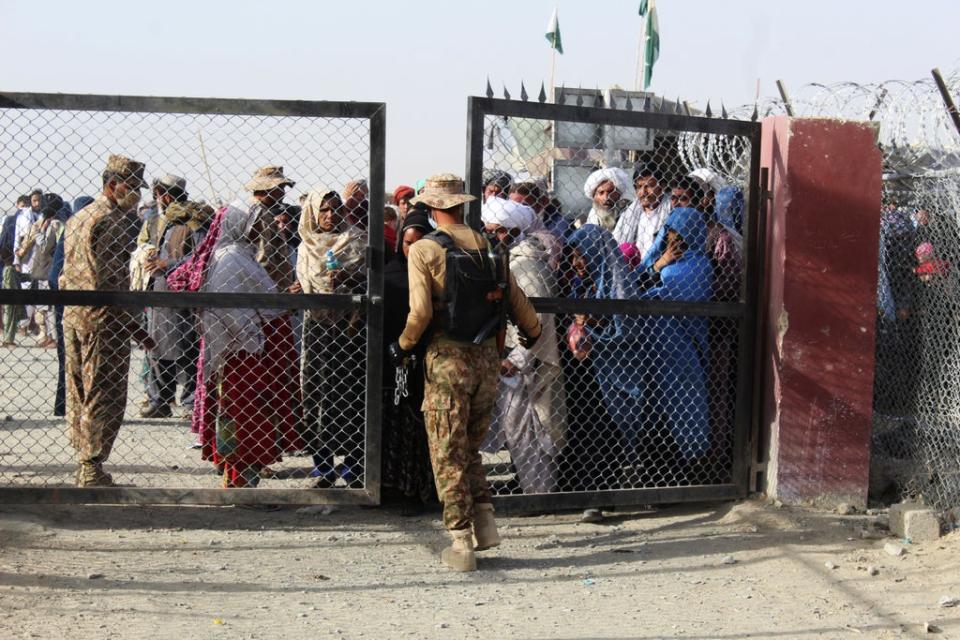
x=279, y=358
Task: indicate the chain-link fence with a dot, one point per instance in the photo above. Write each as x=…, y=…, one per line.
x=216, y=332
x=916, y=437
x=916, y=440
x=641, y=266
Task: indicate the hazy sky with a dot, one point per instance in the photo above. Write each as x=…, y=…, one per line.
x=423, y=58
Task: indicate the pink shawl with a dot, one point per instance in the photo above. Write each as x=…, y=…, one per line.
x=189, y=275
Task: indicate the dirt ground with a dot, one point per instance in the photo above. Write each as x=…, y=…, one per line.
x=728, y=570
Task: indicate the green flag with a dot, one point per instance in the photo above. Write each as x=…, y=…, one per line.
x=553, y=33
x=651, y=39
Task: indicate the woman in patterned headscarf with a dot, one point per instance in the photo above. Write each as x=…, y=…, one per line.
x=189, y=277
x=331, y=261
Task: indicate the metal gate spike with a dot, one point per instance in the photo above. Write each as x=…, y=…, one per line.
x=628, y=105
x=506, y=94
x=580, y=97
x=489, y=88
x=708, y=112
x=543, y=94
x=647, y=102
x=723, y=111
x=523, y=92
x=663, y=105
x=559, y=97
x=756, y=113
x=676, y=106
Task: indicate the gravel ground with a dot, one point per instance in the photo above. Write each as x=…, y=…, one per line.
x=728, y=570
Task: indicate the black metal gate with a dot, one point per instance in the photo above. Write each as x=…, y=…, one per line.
x=645, y=394
x=59, y=144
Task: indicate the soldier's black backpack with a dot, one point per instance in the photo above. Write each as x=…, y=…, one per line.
x=475, y=292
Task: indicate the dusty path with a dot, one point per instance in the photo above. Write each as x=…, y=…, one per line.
x=168, y=572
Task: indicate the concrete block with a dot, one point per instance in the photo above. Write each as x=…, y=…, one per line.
x=895, y=516
x=921, y=525
x=914, y=521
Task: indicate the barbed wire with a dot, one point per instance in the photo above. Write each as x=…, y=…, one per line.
x=916, y=133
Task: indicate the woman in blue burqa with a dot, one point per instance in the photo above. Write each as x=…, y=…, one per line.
x=650, y=369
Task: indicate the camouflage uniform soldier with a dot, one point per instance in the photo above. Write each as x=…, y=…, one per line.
x=268, y=186
x=461, y=377
x=99, y=240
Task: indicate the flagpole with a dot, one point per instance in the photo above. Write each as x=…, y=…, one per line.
x=553, y=70
x=553, y=61
x=640, y=52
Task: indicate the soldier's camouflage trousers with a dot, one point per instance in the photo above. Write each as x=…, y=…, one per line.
x=97, y=363
x=461, y=386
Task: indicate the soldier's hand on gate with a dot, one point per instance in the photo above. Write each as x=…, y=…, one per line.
x=507, y=368
x=398, y=355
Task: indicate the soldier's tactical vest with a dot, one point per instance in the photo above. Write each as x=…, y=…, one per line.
x=475, y=292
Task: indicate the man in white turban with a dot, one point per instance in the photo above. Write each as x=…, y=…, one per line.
x=531, y=415
x=511, y=221
x=610, y=191
x=508, y=220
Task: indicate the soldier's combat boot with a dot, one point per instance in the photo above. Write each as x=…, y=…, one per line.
x=459, y=556
x=485, y=534
x=91, y=474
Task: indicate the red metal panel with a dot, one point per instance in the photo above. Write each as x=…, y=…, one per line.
x=821, y=296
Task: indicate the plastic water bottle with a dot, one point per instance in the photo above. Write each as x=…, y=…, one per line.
x=332, y=263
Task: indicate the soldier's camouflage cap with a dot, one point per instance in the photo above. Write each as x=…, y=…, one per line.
x=126, y=169
x=267, y=178
x=170, y=181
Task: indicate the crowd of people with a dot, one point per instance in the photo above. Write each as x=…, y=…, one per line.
x=619, y=400
x=599, y=401
x=917, y=293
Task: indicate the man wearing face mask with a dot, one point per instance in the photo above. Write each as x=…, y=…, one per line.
x=99, y=240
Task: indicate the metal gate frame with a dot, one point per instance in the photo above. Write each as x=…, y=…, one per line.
x=371, y=303
x=744, y=310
